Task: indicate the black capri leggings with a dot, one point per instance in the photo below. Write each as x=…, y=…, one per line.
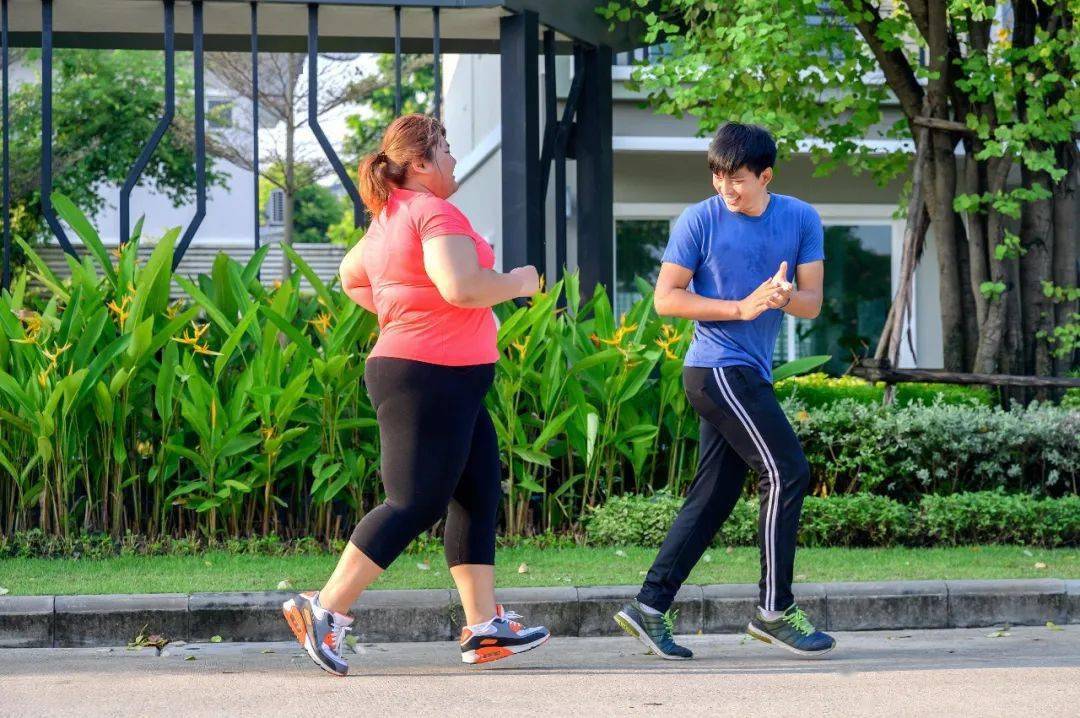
x=440, y=455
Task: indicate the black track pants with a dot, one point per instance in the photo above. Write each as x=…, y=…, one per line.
x=742, y=425
x=440, y=456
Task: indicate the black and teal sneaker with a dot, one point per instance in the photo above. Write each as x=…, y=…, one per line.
x=654, y=630
x=793, y=632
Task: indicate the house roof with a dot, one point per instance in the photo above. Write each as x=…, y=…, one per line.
x=466, y=26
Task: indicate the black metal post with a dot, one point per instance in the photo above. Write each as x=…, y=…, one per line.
x=522, y=205
x=313, y=115
x=162, y=126
x=200, y=133
x=436, y=61
x=595, y=174
x=46, y=128
x=255, y=113
x=397, y=60
x=5, y=276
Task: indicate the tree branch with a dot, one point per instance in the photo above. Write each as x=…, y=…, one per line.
x=898, y=71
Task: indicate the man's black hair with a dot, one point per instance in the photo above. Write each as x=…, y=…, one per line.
x=737, y=145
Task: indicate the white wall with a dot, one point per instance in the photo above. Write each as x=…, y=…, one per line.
x=928, y=308
x=472, y=100
x=229, y=210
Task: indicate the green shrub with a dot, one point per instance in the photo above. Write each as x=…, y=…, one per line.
x=862, y=520
x=991, y=517
x=855, y=520
x=816, y=390
x=632, y=519
x=741, y=527
x=910, y=451
x=37, y=544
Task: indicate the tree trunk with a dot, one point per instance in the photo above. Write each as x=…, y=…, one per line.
x=941, y=192
x=1037, y=238
x=978, y=236
x=941, y=186
x=996, y=335
x=1066, y=243
x=914, y=241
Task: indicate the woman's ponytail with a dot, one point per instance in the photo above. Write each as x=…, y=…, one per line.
x=374, y=189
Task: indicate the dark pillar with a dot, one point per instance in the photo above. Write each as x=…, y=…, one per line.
x=522, y=202
x=595, y=175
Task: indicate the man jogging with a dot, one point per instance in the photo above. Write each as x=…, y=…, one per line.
x=729, y=266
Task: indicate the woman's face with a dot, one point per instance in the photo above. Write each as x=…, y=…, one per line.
x=437, y=174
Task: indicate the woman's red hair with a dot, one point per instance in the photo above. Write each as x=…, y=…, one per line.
x=408, y=140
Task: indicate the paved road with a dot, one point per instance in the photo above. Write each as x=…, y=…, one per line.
x=932, y=673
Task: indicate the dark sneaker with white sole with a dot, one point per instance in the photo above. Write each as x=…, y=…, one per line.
x=792, y=632
x=318, y=631
x=654, y=630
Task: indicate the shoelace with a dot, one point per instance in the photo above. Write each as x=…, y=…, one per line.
x=339, y=636
x=669, y=621
x=798, y=620
x=506, y=615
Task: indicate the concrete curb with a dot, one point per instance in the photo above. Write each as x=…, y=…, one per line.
x=435, y=614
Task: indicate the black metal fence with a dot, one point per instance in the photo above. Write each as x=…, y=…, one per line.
x=582, y=132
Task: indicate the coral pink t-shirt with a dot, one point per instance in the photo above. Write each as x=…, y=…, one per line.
x=415, y=322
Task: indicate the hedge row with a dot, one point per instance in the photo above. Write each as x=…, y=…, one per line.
x=910, y=451
x=985, y=517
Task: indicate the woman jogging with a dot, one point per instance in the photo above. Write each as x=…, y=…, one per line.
x=428, y=276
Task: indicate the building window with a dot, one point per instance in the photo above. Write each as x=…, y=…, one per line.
x=275, y=208
x=858, y=291
x=641, y=55
x=639, y=246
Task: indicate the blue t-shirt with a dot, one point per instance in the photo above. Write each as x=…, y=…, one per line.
x=731, y=254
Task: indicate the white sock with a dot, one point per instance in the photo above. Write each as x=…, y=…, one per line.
x=649, y=609
x=770, y=615
x=340, y=619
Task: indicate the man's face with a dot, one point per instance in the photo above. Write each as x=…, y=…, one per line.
x=743, y=190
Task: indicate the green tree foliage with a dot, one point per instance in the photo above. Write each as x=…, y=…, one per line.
x=316, y=210
x=106, y=105
x=417, y=94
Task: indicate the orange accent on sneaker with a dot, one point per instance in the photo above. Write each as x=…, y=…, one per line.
x=329, y=641
x=296, y=623
x=515, y=626
x=466, y=634
x=492, y=653
x=489, y=641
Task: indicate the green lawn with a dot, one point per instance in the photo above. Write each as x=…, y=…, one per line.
x=547, y=567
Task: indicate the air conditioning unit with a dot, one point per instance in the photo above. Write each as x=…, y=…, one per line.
x=275, y=208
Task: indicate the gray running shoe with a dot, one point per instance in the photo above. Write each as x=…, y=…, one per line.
x=500, y=637
x=316, y=632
